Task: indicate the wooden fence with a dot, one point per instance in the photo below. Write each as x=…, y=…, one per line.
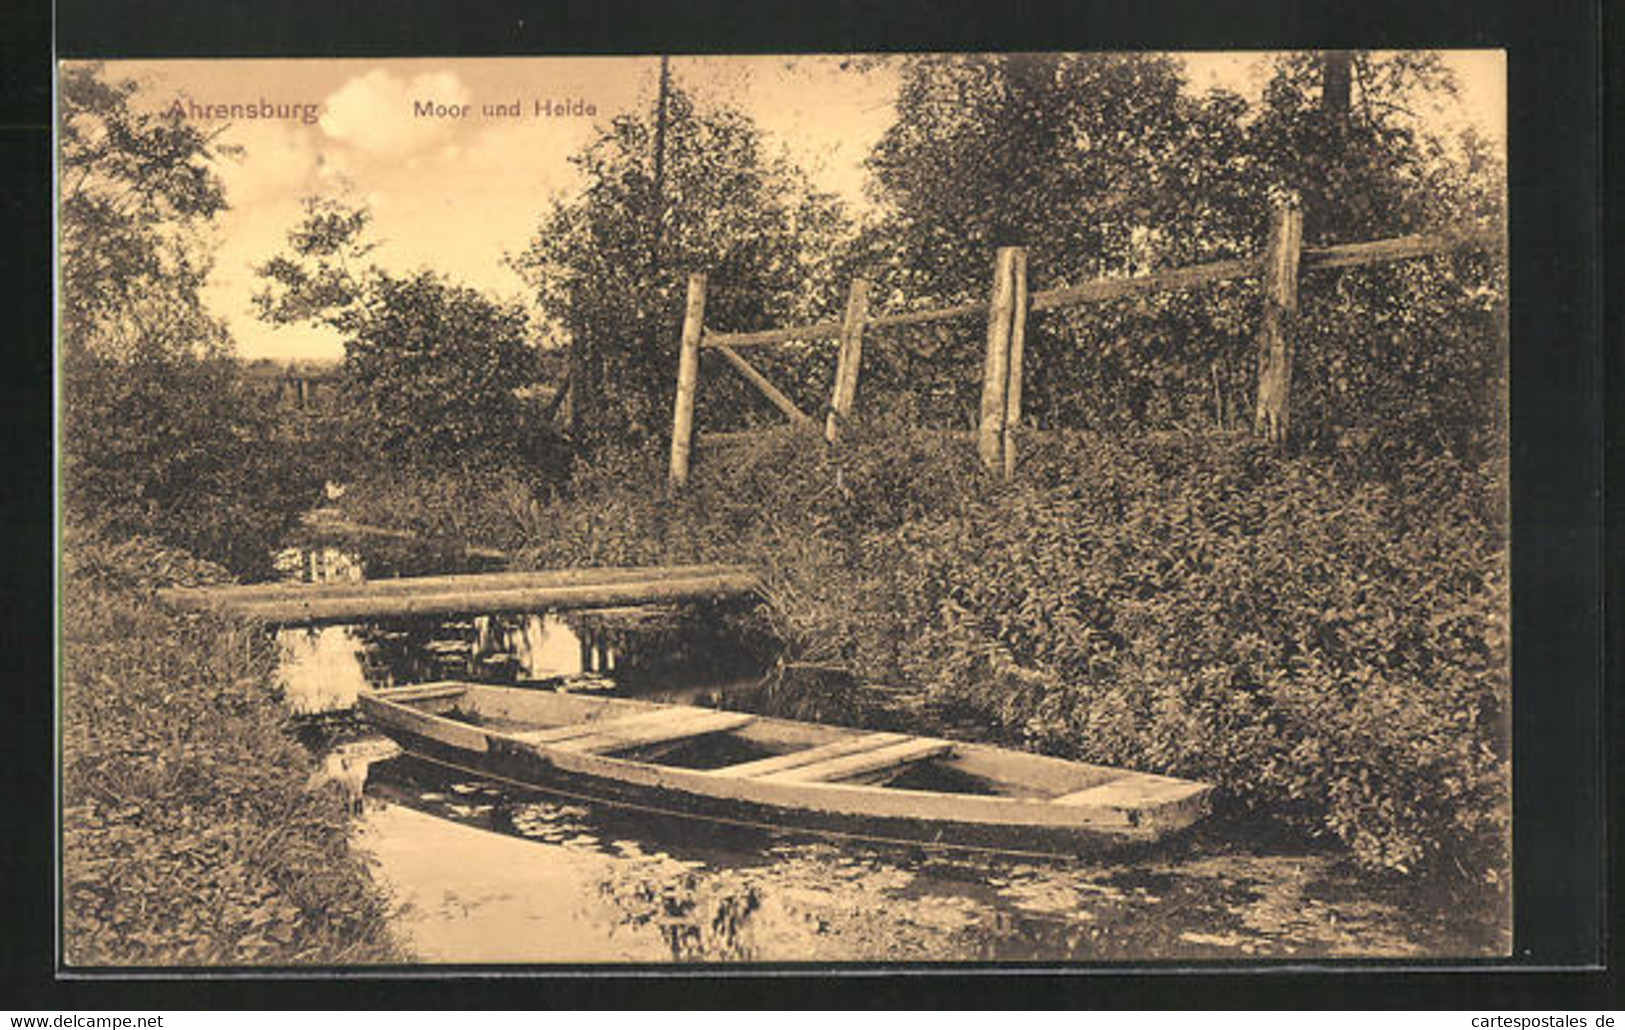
x=1007, y=308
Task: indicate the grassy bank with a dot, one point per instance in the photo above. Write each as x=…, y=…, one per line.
x=1328, y=648
x=190, y=832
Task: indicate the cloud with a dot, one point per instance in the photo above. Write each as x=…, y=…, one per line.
x=278, y=161
x=373, y=112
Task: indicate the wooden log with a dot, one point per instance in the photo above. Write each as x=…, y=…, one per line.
x=850, y=360
x=996, y=365
x=1272, y=416
x=208, y=597
x=1399, y=248
x=1018, y=349
x=762, y=383
x=356, y=608
x=832, y=330
x=1174, y=279
x=688, y=374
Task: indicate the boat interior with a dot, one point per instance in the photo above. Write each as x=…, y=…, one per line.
x=737, y=744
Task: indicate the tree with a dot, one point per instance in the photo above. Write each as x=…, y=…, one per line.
x=1102, y=164
x=135, y=189
x=1402, y=361
x=1063, y=154
x=1099, y=165
x=1351, y=153
x=720, y=204
x=161, y=435
x=430, y=369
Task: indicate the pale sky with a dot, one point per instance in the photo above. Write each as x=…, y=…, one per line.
x=457, y=194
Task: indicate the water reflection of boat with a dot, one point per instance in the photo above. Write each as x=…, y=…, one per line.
x=690, y=761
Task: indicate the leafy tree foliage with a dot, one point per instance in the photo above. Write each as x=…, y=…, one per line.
x=1059, y=153
x=160, y=432
x=430, y=367
x=1403, y=361
x=136, y=188
x=1101, y=165
x=610, y=266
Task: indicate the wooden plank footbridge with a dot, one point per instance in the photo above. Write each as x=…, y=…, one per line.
x=553, y=590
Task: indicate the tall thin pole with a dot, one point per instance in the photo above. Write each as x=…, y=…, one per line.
x=653, y=328
x=660, y=164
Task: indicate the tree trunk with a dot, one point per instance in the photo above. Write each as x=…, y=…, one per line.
x=1336, y=68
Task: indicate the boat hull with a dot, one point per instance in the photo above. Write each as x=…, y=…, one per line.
x=1015, y=825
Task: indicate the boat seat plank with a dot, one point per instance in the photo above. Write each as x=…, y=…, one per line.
x=425, y=692
x=1133, y=790
x=913, y=749
x=808, y=756
x=596, y=727
x=659, y=732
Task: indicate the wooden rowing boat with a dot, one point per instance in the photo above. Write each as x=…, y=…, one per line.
x=736, y=767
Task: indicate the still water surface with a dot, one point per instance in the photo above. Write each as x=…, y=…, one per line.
x=487, y=872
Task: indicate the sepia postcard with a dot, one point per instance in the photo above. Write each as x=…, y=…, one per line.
x=688, y=511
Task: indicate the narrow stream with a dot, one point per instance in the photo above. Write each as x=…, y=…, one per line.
x=487, y=872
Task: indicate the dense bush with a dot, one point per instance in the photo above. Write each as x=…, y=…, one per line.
x=1328, y=650
x=704, y=191
x=482, y=503
x=189, y=835
x=431, y=372
x=159, y=434
x=179, y=447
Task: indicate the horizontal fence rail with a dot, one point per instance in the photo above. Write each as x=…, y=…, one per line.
x=1350, y=255
x=1343, y=255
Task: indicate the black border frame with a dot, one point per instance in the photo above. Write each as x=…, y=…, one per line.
x=1558, y=380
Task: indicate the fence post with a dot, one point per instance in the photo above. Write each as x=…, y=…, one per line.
x=850, y=359
x=1276, y=346
x=996, y=367
x=688, y=374
x=1018, y=348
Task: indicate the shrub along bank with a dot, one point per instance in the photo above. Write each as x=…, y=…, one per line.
x=189, y=834
x=1330, y=650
